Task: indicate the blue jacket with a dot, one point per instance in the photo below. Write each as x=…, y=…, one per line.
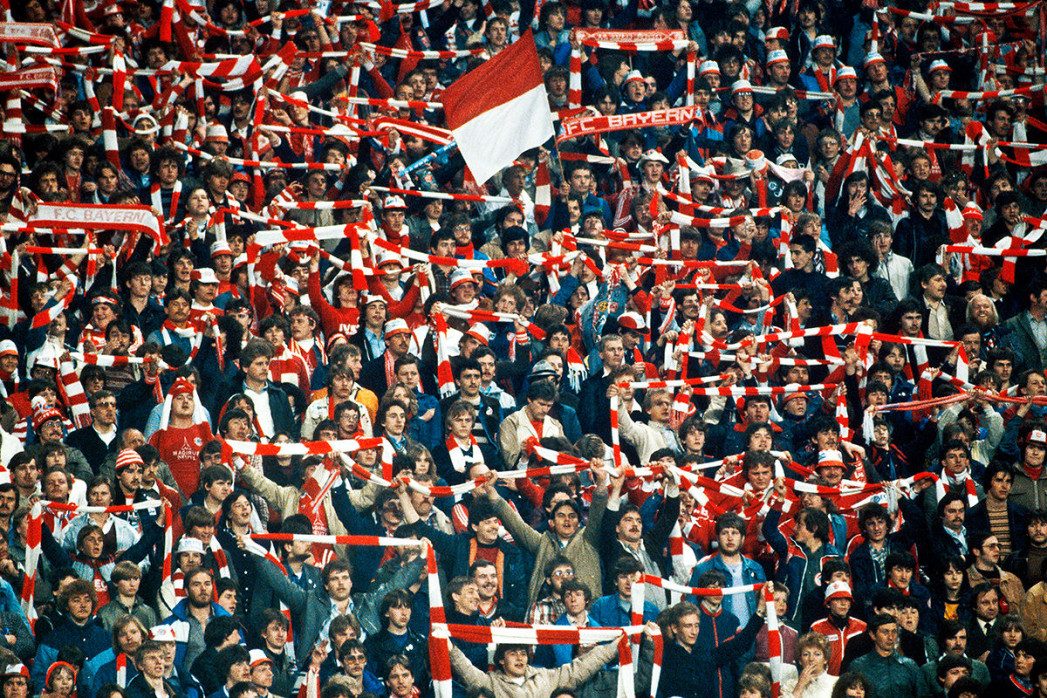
x=92, y=639
x=564, y=654
x=607, y=611
x=752, y=573
x=180, y=614
x=712, y=632
x=792, y=560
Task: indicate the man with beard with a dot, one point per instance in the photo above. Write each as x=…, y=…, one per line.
x=8, y=504
x=129, y=466
x=196, y=610
x=739, y=569
x=623, y=534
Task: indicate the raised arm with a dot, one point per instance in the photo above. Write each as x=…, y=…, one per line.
x=773, y=536
x=741, y=642
x=284, y=498
x=582, y=669
x=470, y=675
x=287, y=591
x=522, y=533
x=668, y=512
x=599, y=505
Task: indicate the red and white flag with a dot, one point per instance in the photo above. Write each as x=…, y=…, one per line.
x=499, y=109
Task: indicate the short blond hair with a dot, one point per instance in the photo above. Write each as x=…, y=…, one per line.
x=813, y=639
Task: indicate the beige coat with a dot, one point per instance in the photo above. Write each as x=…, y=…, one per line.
x=286, y=498
x=1010, y=586
x=517, y=429
x=537, y=683
x=583, y=549
x=1034, y=612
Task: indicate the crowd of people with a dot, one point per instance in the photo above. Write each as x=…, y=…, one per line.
x=793, y=348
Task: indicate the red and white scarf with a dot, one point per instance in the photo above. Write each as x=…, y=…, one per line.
x=459, y=460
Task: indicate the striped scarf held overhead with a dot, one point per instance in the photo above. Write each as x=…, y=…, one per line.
x=72, y=392
x=440, y=654
x=34, y=540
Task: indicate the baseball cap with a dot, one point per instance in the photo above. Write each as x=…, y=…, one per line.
x=204, y=275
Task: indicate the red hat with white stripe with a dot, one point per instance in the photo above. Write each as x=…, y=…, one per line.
x=792, y=391
x=258, y=657
x=837, y=590
x=389, y=258
x=633, y=322
x=741, y=87
x=216, y=133
x=396, y=326
x=369, y=298
x=461, y=276
x=18, y=669
x=653, y=155
x=971, y=212
x=633, y=76
x=128, y=457
x=777, y=56
x=829, y=459
x=8, y=348
x=393, y=202
x=58, y=665
x=708, y=68
x=188, y=544
x=105, y=298
x=939, y=65
x=704, y=174
x=204, y=275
